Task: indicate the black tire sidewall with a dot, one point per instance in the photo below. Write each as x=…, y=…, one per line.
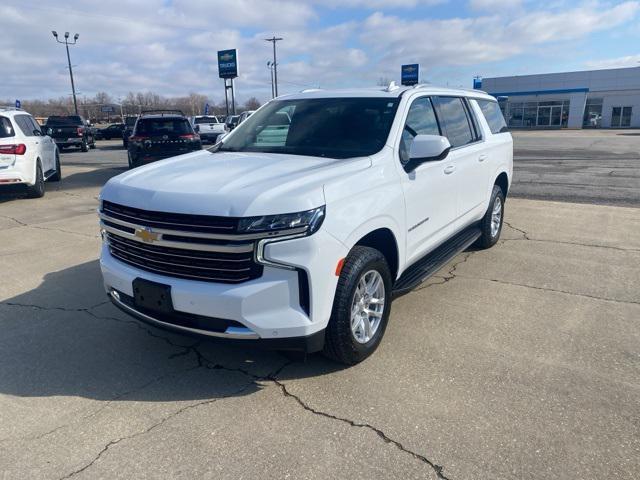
x=486, y=240
x=342, y=345
x=37, y=190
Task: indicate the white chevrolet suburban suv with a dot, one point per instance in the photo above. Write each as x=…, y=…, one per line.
x=302, y=241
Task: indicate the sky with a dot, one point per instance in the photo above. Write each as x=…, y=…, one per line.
x=169, y=46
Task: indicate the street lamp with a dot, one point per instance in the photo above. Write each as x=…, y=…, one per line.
x=66, y=44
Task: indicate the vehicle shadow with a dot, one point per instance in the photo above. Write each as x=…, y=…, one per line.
x=64, y=339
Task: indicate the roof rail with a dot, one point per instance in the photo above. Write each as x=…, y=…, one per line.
x=162, y=111
x=309, y=90
x=10, y=107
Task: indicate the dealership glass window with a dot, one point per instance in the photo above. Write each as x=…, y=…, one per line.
x=592, y=113
x=530, y=117
x=515, y=114
x=621, y=117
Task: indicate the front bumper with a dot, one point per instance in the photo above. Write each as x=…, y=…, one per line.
x=266, y=308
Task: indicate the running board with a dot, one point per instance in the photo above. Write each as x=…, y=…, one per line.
x=435, y=260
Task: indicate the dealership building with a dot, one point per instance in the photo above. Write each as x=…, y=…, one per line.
x=589, y=99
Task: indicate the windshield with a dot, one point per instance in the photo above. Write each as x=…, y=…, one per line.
x=73, y=120
x=324, y=127
x=206, y=120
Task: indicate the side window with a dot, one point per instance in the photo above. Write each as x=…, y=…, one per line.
x=35, y=125
x=493, y=115
x=453, y=114
x=6, y=129
x=25, y=125
x=421, y=120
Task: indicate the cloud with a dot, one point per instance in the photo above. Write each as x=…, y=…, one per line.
x=620, y=62
x=170, y=46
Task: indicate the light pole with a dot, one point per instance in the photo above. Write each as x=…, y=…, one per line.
x=270, y=65
x=66, y=44
x=274, y=39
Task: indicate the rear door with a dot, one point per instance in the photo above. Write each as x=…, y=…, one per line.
x=34, y=141
x=467, y=153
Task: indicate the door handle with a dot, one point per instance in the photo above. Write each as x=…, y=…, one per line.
x=482, y=158
x=449, y=169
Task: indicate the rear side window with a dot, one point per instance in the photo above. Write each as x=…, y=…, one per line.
x=163, y=126
x=26, y=125
x=6, y=129
x=493, y=115
x=453, y=115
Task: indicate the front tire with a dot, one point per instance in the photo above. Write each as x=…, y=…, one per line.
x=56, y=177
x=361, y=307
x=491, y=223
x=37, y=189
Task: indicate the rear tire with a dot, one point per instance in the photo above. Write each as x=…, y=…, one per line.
x=361, y=307
x=56, y=177
x=491, y=223
x=37, y=189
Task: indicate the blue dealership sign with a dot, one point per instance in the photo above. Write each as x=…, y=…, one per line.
x=410, y=74
x=18, y=104
x=477, y=83
x=227, y=63
x=206, y=109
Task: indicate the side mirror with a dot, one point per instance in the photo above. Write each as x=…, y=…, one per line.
x=427, y=148
x=49, y=131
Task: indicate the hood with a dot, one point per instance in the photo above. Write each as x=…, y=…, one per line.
x=232, y=184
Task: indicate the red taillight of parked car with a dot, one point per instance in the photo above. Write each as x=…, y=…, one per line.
x=190, y=136
x=15, y=149
x=80, y=131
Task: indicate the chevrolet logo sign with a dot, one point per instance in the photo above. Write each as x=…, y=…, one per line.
x=226, y=57
x=146, y=235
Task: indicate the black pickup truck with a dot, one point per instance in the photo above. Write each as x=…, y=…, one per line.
x=70, y=131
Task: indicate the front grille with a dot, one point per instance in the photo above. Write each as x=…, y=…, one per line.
x=176, y=221
x=176, y=245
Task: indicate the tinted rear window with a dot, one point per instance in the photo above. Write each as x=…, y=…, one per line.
x=163, y=126
x=206, y=120
x=493, y=115
x=72, y=120
x=6, y=129
x=130, y=121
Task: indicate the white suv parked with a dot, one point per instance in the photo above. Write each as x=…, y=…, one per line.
x=304, y=240
x=27, y=156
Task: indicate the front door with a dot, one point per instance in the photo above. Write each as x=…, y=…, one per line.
x=430, y=190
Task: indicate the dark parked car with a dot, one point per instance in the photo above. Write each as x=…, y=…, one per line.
x=70, y=131
x=159, y=135
x=112, y=131
x=232, y=121
x=129, y=123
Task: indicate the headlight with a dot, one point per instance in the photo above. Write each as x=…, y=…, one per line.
x=307, y=222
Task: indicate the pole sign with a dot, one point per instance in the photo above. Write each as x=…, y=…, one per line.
x=409, y=74
x=206, y=109
x=477, y=83
x=227, y=63
x=18, y=104
x=107, y=109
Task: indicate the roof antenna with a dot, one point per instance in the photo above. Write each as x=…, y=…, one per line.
x=392, y=86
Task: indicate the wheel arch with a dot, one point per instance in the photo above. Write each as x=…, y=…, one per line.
x=502, y=181
x=383, y=240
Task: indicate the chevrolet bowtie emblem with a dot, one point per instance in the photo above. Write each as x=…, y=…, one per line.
x=146, y=235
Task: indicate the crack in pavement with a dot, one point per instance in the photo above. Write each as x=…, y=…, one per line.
x=450, y=275
x=203, y=362
x=547, y=289
x=151, y=428
x=526, y=237
x=50, y=229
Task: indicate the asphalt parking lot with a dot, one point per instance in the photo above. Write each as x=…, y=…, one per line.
x=522, y=361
